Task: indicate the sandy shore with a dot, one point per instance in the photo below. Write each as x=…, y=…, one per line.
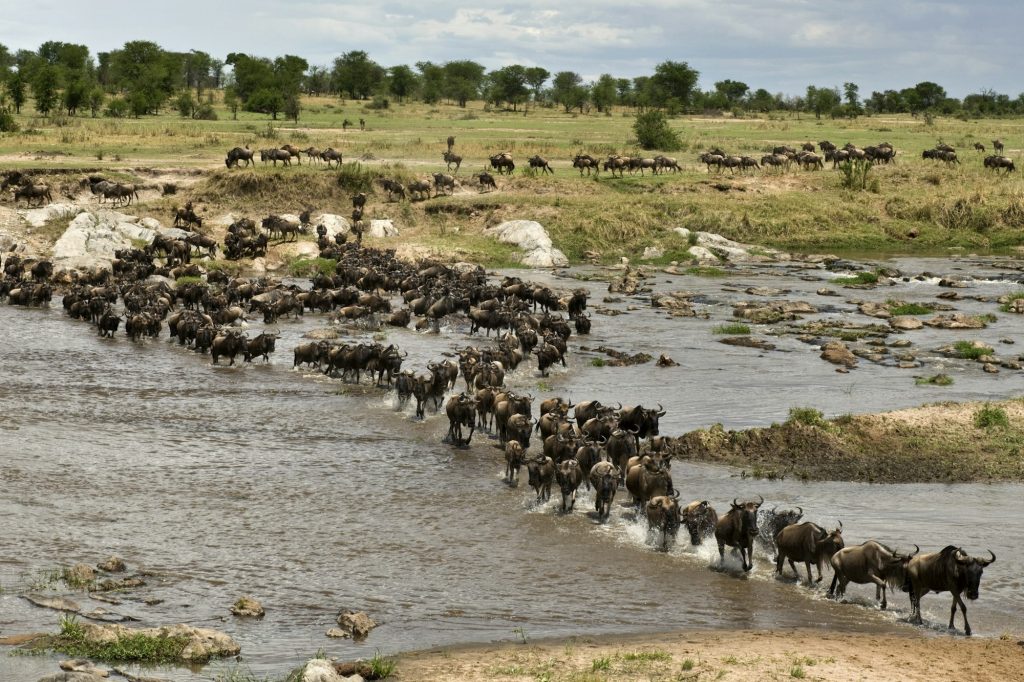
x=733, y=655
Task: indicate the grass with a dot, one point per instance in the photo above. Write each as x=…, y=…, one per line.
x=989, y=417
x=137, y=648
x=1016, y=295
x=802, y=211
x=706, y=271
x=646, y=656
x=598, y=362
x=183, y=281
x=688, y=665
x=382, y=667
x=602, y=664
x=807, y=416
x=307, y=267
x=859, y=279
x=732, y=329
x=968, y=351
x=798, y=672
x=902, y=308
x=935, y=380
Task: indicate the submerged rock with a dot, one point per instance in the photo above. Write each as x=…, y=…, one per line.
x=355, y=624
x=113, y=564
x=530, y=236
x=905, y=322
x=837, y=353
x=249, y=607
x=956, y=321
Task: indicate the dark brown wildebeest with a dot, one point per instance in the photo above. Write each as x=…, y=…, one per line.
x=669, y=162
x=450, y=158
x=709, y=159
x=585, y=161
x=293, y=151
x=949, y=570
x=451, y=142
x=443, y=183
x=239, y=154
x=461, y=411
x=261, y=345
x=737, y=529
x=513, y=461
x=570, y=477
x=997, y=146
x=997, y=163
x=359, y=200
x=604, y=478
x=784, y=150
x=809, y=543
x=779, y=161
x=503, y=163
x=870, y=562
x=643, y=423
x=771, y=522
x=313, y=154
x=826, y=146
x=542, y=474
x=392, y=187
x=807, y=146
x=228, y=343
x=276, y=155
x=662, y=514
x=486, y=180
x=700, y=520
x=331, y=155
x=31, y=193
x=419, y=189
x=538, y=161
x=979, y=147
x=649, y=478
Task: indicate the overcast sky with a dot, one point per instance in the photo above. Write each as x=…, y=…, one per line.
x=780, y=45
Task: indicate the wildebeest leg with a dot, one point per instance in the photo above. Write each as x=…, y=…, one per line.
x=915, y=606
x=963, y=609
x=721, y=552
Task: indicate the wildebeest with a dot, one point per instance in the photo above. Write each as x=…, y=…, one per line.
x=228, y=343
x=419, y=189
x=569, y=476
x=997, y=146
x=700, y=520
x=293, y=151
x=710, y=160
x=461, y=411
x=997, y=163
x=239, y=154
x=869, y=562
x=662, y=514
x=276, y=155
x=331, y=155
x=30, y=193
x=949, y=570
x=648, y=478
x=502, y=162
x=663, y=162
x=513, y=461
x=538, y=161
x=451, y=158
x=261, y=345
x=542, y=473
x=486, y=180
x=809, y=543
x=604, y=478
x=642, y=422
x=585, y=161
x=443, y=183
x=737, y=529
x=771, y=522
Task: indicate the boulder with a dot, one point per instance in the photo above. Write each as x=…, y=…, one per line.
x=711, y=246
x=905, y=322
x=38, y=217
x=837, y=353
x=355, y=624
x=320, y=670
x=201, y=644
x=55, y=603
x=82, y=665
x=530, y=236
x=873, y=309
x=248, y=607
x=93, y=236
x=381, y=229
x=74, y=676
x=666, y=361
x=652, y=252
x=747, y=342
x=956, y=321
x=112, y=565
x=335, y=224
x=703, y=255
x=79, y=574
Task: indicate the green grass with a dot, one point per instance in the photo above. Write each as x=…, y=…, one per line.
x=859, y=278
x=646, y=656
x=900, y=308
x=808, y=416
x=798, y=672
x=988, y=417
x=137, y=648
x=1016, y=295
x=706, y=271
x=598, y=362
x=601, y=664
x=935, y=380
x=732, y=329
x=688, y=665
x=184, y=281
x=307, y=267
x=382, y=667
x=968, y=351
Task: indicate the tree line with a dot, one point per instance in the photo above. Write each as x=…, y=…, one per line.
x=141, y=78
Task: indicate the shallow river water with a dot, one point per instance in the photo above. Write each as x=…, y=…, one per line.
x=313, y=496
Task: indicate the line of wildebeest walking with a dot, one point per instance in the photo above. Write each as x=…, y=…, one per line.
x=587, y=444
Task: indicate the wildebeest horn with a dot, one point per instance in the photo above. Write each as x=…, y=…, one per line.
x=916, y=550
x=761, y=502
x=735, y=502
x=675, y=494
x=634, y=430
x=986, y=563
x=801, y=510
x=619, y=407
x=406, y=354
x=840, y=524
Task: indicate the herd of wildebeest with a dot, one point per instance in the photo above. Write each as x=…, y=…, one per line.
x=595, y=446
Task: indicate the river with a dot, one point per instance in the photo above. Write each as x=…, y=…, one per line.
x=312, y=495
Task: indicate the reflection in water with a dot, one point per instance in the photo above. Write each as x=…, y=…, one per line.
x=313, y=496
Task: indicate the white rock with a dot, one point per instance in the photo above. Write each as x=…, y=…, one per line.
x=320, y=670
x=38, y=217
x=92, y=238
x=290, y=217
x=152, y=224
x=381, y=229
x=173, y=232
x=335, y=224
x=702, y=254
x=682, y=232
x=306, y=250
x=653, y=252
x=530, y=236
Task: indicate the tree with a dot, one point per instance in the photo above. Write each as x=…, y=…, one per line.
x=603, y=92
x=76, y=93
x=462, y=80
x=431, y=81
x=822, y=100
x=44, y=89
x=653, y=132
x=401, y=81
x=624, y=91
x=536, y=77
x=292, y=107
x=96, y=98
x=355, y=73
x=196, y=66
x=267, y=100
x=318, y=80
x=231, y=101
x=929, y=95
x=508, y=84
x=16, y=90
x=732, y=92
x=146, y=74
x=566, y=88
x=673, y=84
x=762, y=101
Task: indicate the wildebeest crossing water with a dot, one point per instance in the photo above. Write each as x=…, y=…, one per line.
x=314, y=496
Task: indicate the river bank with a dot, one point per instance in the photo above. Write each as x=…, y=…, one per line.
x=732, y=655
x=937, y=443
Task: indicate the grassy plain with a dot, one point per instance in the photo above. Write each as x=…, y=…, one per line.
x=919, y=206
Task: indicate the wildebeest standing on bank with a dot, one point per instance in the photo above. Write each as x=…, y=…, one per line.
x=950, y=570
x=737, y=529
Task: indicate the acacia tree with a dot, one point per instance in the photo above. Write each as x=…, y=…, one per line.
x=673, y=85
x=508, y=84
x=44, y=89
x=401, y=81
x=536, y=77
x=355, y=73
x=463, y=80
x=567, y=89
x=602, y=93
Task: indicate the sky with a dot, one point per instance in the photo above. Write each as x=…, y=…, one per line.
x=780, y=45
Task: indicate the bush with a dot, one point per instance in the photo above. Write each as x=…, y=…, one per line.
x=117, y=108
x=653, y=132
x=936, y=380
x=7, y=122
x=355, y=177
x=205, y=112
x=732, y=329
x=988, y=417
x=806, y=415
x=968, y=351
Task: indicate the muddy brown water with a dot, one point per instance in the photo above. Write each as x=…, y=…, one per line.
x=314, y=496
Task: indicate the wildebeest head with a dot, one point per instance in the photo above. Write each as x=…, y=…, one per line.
x=747, y=512
x=970, y=569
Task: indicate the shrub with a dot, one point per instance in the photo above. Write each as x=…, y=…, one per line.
x=354, y=177
x=806, y=415
x=863, y=277
x=968, y=351
x=653, y=132
x=7, y=122
x=732, y=329
x=898, y=308
x=855, y=175
x=130, y=648
x=118, y=107
x=988, y=417
x=936, y=380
